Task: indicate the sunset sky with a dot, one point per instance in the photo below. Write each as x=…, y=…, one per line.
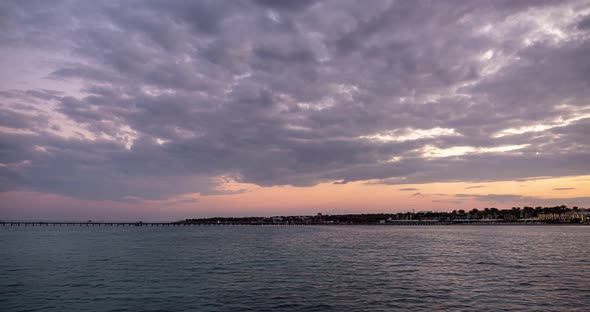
x=163, y=110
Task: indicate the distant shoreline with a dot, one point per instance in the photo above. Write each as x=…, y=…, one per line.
x=182, y=224
x=557, y=215
x=515, y=215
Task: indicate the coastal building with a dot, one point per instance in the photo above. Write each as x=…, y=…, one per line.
x=579, y=215
x=554, y=217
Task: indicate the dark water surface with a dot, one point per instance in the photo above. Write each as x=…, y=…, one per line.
x=283, y=268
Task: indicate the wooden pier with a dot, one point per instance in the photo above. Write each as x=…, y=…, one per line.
x=151, y=224
x=145, y=224
x=66, y=223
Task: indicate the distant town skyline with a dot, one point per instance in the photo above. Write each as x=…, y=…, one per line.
x=166, y=110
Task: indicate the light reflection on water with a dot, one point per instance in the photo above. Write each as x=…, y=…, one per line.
x=282, y=268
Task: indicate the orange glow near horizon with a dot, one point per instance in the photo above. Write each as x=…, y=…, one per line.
x=329, y=198
x=365, y=196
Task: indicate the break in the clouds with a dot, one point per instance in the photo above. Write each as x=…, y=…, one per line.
x=152, y=99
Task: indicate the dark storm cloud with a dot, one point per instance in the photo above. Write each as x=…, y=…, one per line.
x=175, y=93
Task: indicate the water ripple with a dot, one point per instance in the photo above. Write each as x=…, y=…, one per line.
x=356, y=268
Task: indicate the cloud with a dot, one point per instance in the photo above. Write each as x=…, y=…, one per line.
x=286, y=5
x=584, y=23
x=526, y=200
x=157, y=99
x=186, y=201
x=563, y=188
x=408, y=189
x=474, y=187
x=447, y=201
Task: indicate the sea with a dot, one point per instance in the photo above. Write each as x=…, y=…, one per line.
x=295, y=268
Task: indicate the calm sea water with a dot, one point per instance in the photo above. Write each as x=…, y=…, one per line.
x=282, y=268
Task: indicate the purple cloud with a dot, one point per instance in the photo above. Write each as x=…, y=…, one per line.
x=157, y=99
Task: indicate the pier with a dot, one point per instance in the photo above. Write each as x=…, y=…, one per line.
x=66, y=223
x=151, y=224
x=144, y=224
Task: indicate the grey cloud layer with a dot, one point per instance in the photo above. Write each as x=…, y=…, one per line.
x=177, y=93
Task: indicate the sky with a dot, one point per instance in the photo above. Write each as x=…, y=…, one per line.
x=164, y=110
